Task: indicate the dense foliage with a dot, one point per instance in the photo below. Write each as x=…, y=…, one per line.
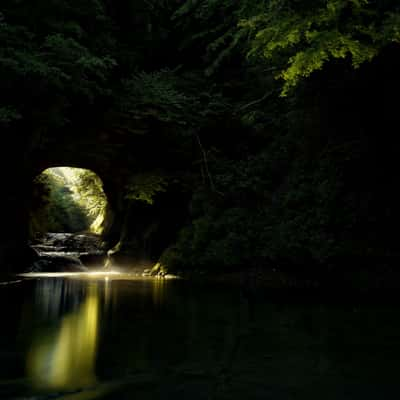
x=303, y=192
x=306, y=36
x=273, y=116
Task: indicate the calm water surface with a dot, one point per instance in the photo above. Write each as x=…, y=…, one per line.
x=113, y=338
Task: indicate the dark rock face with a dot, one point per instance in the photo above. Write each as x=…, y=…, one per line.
x=113, y=156
x=148, y=230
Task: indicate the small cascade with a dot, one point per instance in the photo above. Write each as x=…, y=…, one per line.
x=60, y=252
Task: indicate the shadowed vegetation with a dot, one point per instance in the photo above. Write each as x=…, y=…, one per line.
x=267, y=123
x=67, y=200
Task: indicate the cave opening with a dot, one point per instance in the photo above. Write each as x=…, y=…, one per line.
x=68, y=220
x=67, y=200
x=75, y=225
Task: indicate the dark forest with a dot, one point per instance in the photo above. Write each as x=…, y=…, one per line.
x=250, y=144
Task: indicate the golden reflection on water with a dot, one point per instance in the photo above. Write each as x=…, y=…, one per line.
x=158, y=292
x=107, y=293
x=66, y=357
x=63, y=352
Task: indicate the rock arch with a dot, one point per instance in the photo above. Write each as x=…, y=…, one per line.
x=113, y=156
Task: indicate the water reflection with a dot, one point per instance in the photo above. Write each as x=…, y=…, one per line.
x=71, y=314
x=154, y=339
x=65, y=356
x=158, y=292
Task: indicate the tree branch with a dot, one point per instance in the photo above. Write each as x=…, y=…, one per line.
x=253, y=103
x=205, y=163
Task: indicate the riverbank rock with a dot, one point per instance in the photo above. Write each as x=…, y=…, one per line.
x=67, y=252
x=57, y=263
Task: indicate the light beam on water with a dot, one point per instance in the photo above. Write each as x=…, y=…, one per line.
x=63, y=352
x=82, y=275
x=66, y=356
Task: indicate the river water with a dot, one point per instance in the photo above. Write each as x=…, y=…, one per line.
x=117, y=337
